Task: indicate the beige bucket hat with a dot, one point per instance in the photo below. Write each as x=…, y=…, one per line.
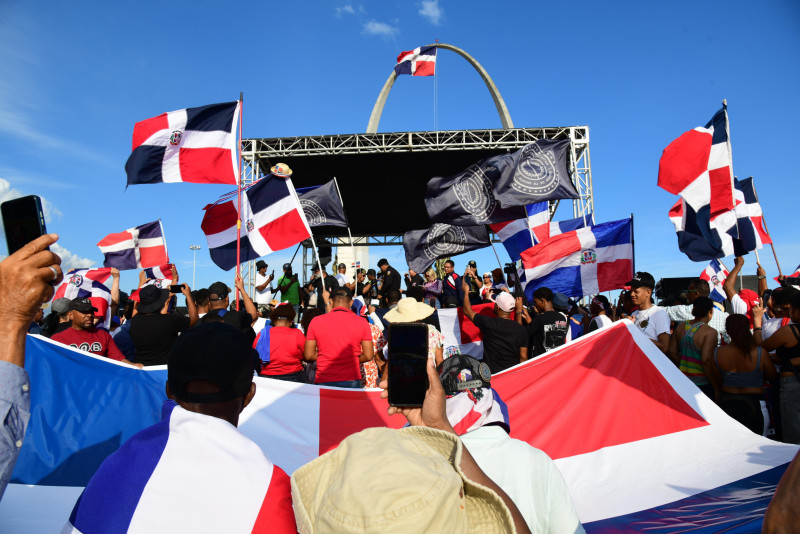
x=408, y=310
x=390, y=481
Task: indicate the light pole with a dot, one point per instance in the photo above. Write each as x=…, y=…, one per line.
x=194, y=249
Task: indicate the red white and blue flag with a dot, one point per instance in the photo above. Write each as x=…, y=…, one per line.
x=621, y=444
x=418, y=62
x=135, y=248
x=515, y=235
x=753, y=209
x=88, y=284
x=715, y=274
x=697, y=166
x=582, y=262
x=272, y=219
x=161, y=272
x=188, y=145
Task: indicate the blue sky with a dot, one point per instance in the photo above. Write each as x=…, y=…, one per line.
x=74, y=78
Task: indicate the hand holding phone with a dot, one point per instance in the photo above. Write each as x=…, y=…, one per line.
x=176, y=288
x=407, y=362
x=23, y=220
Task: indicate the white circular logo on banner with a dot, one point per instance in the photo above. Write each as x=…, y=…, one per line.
x=314, y=213
x=536, y=174
x=444, y=240
x=474, y=193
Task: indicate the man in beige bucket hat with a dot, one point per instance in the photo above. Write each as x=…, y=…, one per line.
x=423, y=480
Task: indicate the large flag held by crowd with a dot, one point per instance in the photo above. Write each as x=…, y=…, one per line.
x=582, y=262
x=188, y=145
x=423, y=247
x=271, y=219
x=322, y=205
x=620, y=445
x=418, y=62
x=497, y=188
x=135, y=248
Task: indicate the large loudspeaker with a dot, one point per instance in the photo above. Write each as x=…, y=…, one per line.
x=669, y=290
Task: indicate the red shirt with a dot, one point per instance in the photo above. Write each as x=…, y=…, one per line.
x=95, y=341
x=338, y=335
x=286, y=346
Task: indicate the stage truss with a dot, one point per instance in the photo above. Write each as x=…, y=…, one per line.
x=258, y=155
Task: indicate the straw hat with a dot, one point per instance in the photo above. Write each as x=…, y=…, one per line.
x=415, y=485
x=281, y=169
x=408, y=310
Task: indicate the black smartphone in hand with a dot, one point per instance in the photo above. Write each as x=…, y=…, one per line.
x=407, y=362
x=176, y=288
x=23, y=221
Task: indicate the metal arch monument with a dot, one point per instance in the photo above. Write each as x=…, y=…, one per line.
x=394, y=167
x=502, y=110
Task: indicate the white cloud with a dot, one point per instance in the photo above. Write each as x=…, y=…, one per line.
x=70, y=260
x=346, y=9
x=381, y=29
x=431, y=11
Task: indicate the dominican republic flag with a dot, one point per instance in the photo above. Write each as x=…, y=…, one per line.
x=697, y=166
x=715, y=274
x=554, y=228
x=582, y=262
x=186, y=459
x=135, y=248
x=89, y=284
x=189, y=145
x=748, y=189
x=459, y=331
x=515, y=235
x=620, y=445
x=162, y=272
x=272, y=219
x=418, y=62
x=792, y=279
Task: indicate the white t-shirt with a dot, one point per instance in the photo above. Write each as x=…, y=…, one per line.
x=342, y=279
x=738, y=305
x=601, y=321
x=528, y=476
x=262, y=297
x=652, y=321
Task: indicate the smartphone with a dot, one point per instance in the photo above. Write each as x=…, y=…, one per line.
x=407, y=360
x=23, y=220
x=176, y=288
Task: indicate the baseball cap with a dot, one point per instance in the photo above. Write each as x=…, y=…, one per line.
x=417, y=477
x=152, y=298
x=361, y=271
x=287, y=266
x=471, y=263
x=342, y=266
x=261, y=264
x=642, y=279
x=505, y=301
x=82, y=305
x=560, y=301
x=460, y=372
x=214, y=352
x=60, y=306
x=219, y=289
x=370, y=271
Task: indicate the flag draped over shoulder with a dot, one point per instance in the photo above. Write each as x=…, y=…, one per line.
x=582, y=262
x=423, y=247
x=188, y=145
x=418, y=62
x=629, y=429
x=135, y=248
x=322, y=205
x=496, y=189
x=272, y=219
x=715, y=274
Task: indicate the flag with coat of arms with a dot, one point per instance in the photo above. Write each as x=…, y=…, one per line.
x=715, y=274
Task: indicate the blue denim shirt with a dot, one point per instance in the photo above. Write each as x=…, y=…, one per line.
x=15, y=410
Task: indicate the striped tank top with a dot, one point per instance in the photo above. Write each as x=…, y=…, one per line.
x=690, y=363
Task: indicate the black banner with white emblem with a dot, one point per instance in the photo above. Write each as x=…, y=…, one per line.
x=423, y=247
x=322, y=205
x=495, y=189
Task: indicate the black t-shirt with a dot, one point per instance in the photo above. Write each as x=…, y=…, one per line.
x=547, y=331
x=502, y=339
x=391, y=280
x=153, y=335
x=415, y=280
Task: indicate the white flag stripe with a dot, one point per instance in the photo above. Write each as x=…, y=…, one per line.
x=198, y=139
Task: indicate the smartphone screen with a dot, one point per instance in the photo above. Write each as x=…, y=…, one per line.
x=176, y=288
x=408, y=359
x=23, y=220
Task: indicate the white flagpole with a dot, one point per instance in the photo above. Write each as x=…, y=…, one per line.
x=305, y=221
x=164, y=236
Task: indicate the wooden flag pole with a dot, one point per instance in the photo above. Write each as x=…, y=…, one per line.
x=239, y=202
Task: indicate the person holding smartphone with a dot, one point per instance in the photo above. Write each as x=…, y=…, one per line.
x=153, y=329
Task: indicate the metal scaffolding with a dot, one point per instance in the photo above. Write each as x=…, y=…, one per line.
x=259, y=154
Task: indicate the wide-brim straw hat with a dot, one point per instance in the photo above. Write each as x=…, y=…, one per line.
x=281, y=169
x=408, y=310
x=415, y=484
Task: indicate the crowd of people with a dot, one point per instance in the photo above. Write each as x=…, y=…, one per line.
x=334, y=331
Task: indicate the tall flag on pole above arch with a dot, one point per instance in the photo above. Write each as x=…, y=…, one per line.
x=188, y=145
x=418, y=62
